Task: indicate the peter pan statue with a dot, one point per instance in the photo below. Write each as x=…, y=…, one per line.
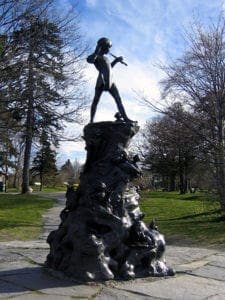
x=104, y=80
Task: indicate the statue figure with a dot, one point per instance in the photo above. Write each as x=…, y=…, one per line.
x=104, y=80
x=101, y=235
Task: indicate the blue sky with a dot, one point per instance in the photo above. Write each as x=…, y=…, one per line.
x=144, y=32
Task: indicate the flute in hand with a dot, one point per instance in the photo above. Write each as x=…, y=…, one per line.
x=122, y=62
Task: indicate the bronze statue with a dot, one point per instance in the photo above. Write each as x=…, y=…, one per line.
x=104, y=80
x=101, y=235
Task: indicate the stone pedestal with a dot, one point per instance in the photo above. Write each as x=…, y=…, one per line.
x=102, y=235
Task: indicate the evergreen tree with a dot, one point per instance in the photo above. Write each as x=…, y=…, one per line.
x=37, y=87
x=40, y=62
x=41, y=83
x=7, y=134
x=44, y=164
x=67, y=172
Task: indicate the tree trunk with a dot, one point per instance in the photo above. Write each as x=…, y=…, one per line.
x=41, y=181
x=172, y=183
x=27, y=153
x=220, y=155
x=29, y=122
x=28, y=143
x=181, y=176
x=221, y=179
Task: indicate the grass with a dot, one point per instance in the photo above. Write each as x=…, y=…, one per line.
x=190, y=218
x=21, y=216
x=44, y=189
x=53, y=189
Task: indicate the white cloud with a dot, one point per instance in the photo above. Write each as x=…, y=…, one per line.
x=144, y=32
x=72, y=151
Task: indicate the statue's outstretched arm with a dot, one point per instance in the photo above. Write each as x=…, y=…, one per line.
x=116, y=60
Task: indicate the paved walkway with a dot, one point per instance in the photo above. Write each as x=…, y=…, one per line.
x=200, y=273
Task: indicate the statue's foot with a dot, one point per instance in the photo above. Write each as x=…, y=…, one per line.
x=129, y=121
x=122, y=118
x=118, y=117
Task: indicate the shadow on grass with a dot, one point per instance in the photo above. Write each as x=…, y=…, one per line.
x=190, y=198
x=205, y=214
x=13, y=224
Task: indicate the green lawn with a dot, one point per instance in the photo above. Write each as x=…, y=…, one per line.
x=193, y=218
x=44, y=189
x=20, y=216
x=50, y=189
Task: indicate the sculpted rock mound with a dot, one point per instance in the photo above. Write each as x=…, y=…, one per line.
x=102, y=235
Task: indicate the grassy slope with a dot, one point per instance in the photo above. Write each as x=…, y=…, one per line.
x=185, y=217
x=20, y=216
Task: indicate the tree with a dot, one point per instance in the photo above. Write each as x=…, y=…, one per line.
x=7, y=133
x=77, y=170
x=41, y=60
x=12, y=15
x=33, y=96
x=199, y=76
x=67, y=173
x=197, y=79
x=44, y=164
x=170, y=147
x=42, y=68
x=12, y=11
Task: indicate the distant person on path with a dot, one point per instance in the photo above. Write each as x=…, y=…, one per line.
x=104, y=80
x=2, y=179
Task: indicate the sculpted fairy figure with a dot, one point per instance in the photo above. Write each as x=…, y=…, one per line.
x=104, y=80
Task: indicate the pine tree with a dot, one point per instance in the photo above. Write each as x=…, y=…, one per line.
x=41, y=63
x=38, y=87
x=68, y=172
x=41, y=80
x=44, y=164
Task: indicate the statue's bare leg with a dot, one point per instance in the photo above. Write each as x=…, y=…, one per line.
x=98, y=92
x=115, y=93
